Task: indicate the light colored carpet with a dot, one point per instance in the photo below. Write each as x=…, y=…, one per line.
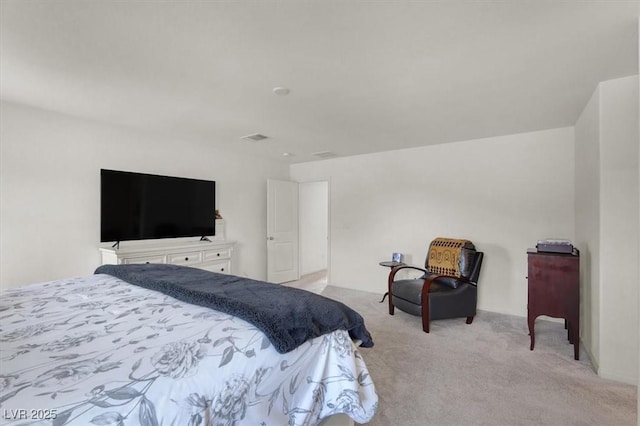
x=483, y=373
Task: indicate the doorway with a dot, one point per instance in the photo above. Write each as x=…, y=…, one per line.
x=298, y=237
x=314, y=233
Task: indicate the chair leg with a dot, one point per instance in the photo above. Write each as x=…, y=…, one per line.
x=425, y=315
x=389, y=288
x=425, y=324
x=469, y=320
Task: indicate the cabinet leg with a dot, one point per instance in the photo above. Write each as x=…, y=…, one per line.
x=575, y=338
x=530, y=321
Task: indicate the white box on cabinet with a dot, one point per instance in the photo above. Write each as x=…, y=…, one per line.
x=221, y=232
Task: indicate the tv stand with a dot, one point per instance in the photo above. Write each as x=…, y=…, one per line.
x=212, y=255
x=116, y=245
x=203, y=238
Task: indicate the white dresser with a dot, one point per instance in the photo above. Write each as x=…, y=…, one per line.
x=212, y=256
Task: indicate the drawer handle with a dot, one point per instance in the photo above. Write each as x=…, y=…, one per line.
x=147, y=263
x=222, y=269
x=186, y=258
x=218, y=254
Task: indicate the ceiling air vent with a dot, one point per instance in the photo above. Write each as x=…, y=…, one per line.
x=255, y=137
x=325, y=154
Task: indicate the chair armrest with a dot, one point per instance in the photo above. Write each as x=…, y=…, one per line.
x=428, y=281
x=395, y=269
x=392, y=275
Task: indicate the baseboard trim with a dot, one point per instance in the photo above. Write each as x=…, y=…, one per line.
x=617, y=376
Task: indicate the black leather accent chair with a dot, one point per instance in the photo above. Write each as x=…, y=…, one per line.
x=440, y=292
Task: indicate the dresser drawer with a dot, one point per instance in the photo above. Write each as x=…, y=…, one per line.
x=211, y=255
x=215, y=256
x=184, y=258
x=144, y=259
x=222, y=267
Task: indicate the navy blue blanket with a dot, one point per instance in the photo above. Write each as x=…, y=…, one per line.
x=287, y=316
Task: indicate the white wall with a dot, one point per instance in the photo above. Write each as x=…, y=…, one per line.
x=314, y=223
x=587, y=219
x=503, y=193
x=607, y=229
x=619, y=230
x=49, y=191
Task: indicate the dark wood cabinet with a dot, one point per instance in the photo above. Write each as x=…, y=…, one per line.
x=554, y=290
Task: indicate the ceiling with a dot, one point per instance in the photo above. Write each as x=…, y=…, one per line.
x=364, y=76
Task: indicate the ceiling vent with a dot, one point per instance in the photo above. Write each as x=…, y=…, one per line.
x=255, y=137
x=325, y=154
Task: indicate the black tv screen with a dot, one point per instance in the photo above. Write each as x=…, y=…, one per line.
x=138, y=206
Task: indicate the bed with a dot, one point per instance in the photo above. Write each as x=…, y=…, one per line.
x=97, y=350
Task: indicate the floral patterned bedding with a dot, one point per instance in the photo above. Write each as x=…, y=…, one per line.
x=98, y=351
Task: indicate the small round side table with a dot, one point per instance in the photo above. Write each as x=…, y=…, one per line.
x=389, y=264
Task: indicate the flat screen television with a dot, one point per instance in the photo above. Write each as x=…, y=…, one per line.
x=138, y=206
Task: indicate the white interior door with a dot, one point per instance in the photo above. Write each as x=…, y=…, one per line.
x=282, y=231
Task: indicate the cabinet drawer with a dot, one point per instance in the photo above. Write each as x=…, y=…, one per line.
x=211, y=255
x=143, y=259
x=184, y=258
x=222, y=267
